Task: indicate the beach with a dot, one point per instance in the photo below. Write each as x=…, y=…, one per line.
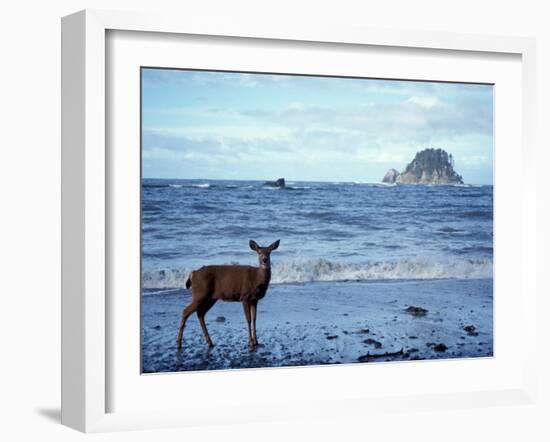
x=332, y=322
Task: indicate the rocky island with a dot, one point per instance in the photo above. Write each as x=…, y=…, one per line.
x=430, y=166
x=278, y=183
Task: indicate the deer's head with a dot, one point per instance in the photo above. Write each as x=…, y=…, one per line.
x=264, y=253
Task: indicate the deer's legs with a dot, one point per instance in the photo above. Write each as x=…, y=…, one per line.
x=187, y=311
x=246, y=307
x=201, y=312
x=253, y=306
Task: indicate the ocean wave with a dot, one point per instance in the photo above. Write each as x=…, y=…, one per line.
x=475, y=249
x=286, y=187
x=298, y=187
x=153, y=186
x=319, y=270
x=373, y=184
x=175, y=186
x=479, y=213
x=302, y=270
x=447, y=229
x=202, y=207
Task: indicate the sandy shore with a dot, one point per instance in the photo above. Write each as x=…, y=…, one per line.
x=326, y=323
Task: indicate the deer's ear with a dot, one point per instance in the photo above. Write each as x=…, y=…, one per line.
x=275, y=245
x=253, y=245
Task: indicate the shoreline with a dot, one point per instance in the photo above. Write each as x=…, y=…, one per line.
x=304, y=324
x=165, y=291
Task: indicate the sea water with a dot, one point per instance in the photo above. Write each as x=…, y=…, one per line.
x=329, y=231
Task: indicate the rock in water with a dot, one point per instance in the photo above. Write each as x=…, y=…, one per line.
x=430, y=166
x=391, y=176
x=279, y=183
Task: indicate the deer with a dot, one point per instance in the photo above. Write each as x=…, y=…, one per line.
x=232, y=283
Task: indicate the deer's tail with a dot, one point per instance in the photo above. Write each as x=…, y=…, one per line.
x=188, y=282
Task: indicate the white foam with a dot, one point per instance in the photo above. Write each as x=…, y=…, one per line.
x=201, y=186
x=374, y=184
x=302, y=270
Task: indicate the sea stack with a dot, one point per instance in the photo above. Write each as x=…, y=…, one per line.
x=279, y=183
x=390, y=176
x=430, y=166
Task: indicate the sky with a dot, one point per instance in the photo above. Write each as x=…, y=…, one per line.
x=248, y=126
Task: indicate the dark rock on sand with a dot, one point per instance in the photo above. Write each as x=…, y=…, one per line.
x=440, y=347
x=471, y=330
x=373, y=342
x=220, y=319
x=278, y=183
x=416, y=311
x=330, y=337
x=389, y=354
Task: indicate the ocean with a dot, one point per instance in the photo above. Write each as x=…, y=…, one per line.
x=329, y=231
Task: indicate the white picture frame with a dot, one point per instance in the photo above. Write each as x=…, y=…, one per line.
x=86, y=210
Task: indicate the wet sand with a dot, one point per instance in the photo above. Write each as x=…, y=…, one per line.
x=326, y=323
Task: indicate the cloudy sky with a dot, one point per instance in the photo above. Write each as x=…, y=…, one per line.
x=218, y=125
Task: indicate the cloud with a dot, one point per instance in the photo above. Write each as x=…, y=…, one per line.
x=349, y=125
x=416, y=119
x=244, y=132
x=475, y=160
x=163, y=77
x=425, y=102
x=380, y=133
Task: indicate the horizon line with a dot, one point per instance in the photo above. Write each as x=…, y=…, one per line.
x=302, y=181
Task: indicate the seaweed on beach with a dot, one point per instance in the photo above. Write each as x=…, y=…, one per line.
x=416, y=311
x=368, y=356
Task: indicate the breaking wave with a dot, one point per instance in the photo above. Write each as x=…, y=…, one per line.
x=176, y=186
x=314, y=270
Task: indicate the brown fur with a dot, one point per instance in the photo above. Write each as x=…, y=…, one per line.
x=231, y=283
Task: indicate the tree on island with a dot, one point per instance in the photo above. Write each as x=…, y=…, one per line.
x=429, y=166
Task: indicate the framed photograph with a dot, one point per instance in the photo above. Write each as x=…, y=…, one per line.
x=325, y=218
